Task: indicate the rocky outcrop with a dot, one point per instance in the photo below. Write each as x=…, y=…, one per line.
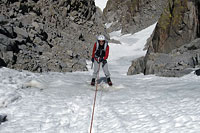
x=132, y=15
x=177, y=63
x=178, y=25
x=3, y=118
x=197, y=72
x=43, y=35
x=173, y=50
x=137, y=66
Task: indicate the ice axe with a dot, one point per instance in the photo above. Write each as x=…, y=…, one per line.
x=92, y=65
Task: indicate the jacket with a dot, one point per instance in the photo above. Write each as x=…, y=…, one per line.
x=100, y=52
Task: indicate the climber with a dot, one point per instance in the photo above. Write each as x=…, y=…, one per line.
x=100, y=55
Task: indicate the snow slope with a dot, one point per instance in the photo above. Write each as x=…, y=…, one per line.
x=101, y=3
x=62, y=102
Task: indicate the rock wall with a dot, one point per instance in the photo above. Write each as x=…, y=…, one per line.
x=178, y=25
x=48, y=35
x=173, y=49
x=132, y=15
x=177, y=63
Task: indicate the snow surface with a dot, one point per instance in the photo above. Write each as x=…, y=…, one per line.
x=108, y=25
x=101, y=3
x=62, y=102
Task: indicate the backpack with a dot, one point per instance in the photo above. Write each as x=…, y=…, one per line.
x=105, y=46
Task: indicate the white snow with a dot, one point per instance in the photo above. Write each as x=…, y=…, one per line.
x=62, y=102
x=108, y=25
x=101, y=3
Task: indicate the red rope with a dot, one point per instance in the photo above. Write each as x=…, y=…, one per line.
x=94, y=101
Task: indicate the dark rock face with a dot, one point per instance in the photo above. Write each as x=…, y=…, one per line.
x=3, y=118
x=178, y=25
x=177, y=63
x=48, y=35
x=197, y=72
x=137, y=67
x=174, y=49
x=132, y=15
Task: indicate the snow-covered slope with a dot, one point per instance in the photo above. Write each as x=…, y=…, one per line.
x=62, y=102
x=101, y=3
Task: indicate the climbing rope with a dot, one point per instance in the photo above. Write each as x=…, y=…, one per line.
x=94, y=100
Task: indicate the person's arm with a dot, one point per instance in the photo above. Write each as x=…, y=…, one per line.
x=107, y=53
x=94, y=49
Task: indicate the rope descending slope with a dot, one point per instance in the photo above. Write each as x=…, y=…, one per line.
x=94, y=100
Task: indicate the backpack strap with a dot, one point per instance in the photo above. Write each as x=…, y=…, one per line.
x=105, y=45
x=97, y=46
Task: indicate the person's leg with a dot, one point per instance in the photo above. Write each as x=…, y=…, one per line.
x=96, y=68
x=105, y=70
x=107, y=73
